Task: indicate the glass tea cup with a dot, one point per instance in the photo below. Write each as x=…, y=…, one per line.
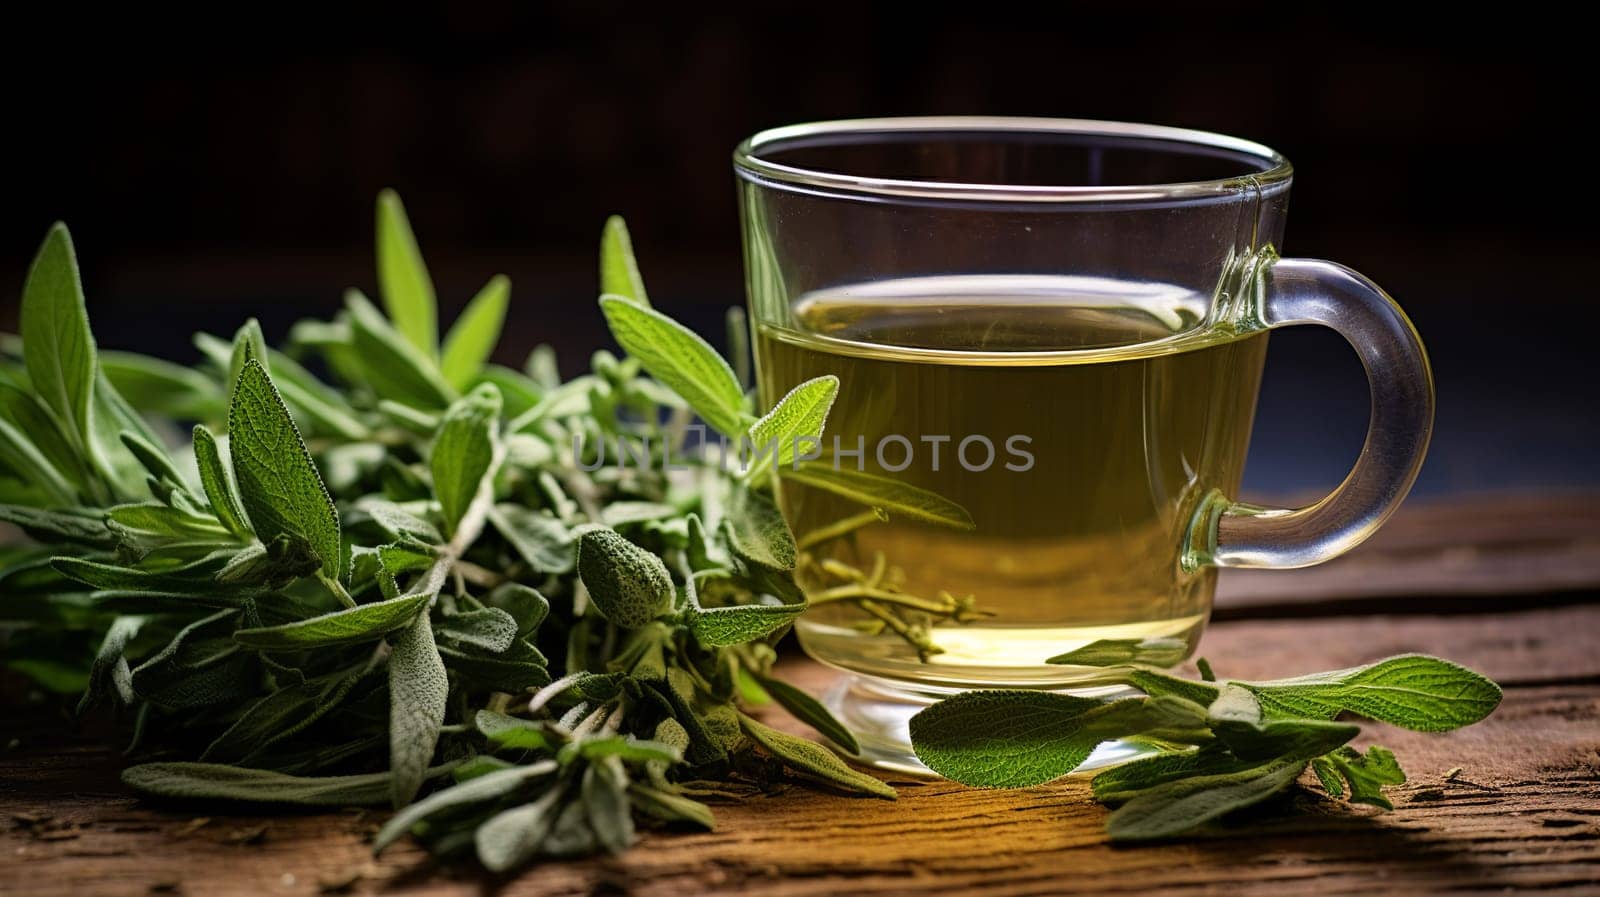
x=1049, y=338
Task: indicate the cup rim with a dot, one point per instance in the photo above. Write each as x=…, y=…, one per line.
x=750, y=164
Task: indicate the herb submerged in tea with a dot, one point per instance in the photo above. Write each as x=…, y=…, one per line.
x=410, y=582
x=1219, y=746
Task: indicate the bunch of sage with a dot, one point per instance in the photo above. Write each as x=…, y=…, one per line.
x=1211, y=747
x=419, y=577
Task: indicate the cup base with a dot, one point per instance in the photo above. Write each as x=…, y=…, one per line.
x=878, y=712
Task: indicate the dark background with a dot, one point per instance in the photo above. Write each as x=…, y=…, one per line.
x=214, y=170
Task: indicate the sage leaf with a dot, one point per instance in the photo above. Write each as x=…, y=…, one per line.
x=280, y=715
x=80, y=526
x=110, y=418
x=1303, y=738
x=1005, y=739
x=681, y=360
x=489, y=628
x=721, y=627
x=628, y=585
x=758, y=532
x=248, y=345
x=167, y=522
x=1367, y=774
x=810, y=711
x=398, y=522
x=216, y=781
x=155, y=461
x=273, y=566
x=524, y=604
x=316, y=405
x=626, y=748
x=407, y=289
x=488, y=787
x=571, y=835
x=813, y=760
x=1157, y=683
x=418, y=690
x=881, y=492
x=539, y=538
x=1122, y=783
x=278, y=483
x=669, y=806
x=481, y=765
x=395, y=368
x=109, y=658
x=200, y=667
x=22, y=458
x=464, y=452
x=352, y=626
x=511, y=733
x=1178, y=806
x=1413, y=691
x=196, y=576
x=58, y=348
x=512, y=837
x=619, y=271
x=622, y=513
x=218, y=485
x=776, y=437
x=1328, y=776
x=1160, y=652
x=519, y=667
x=158, y=387
x=473, y=336
x=605, y=798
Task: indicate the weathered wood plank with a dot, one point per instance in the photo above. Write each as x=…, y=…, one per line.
x=1523, y=814
x=1491, y=552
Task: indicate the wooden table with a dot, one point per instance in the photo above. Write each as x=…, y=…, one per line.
x=1506, y=585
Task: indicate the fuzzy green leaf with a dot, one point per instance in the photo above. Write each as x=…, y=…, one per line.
x=216, y=781
x=1005, y=739
x=1414, y=691
x=464, y=451
x=793, y=425
x=488, y=628
x=513, y=837
x=628, y=585
x=218, y=484
x=473, y=336
x=681, y=360
x=407, y=289
x=758, y=532
x=1179, y=806
x=881, y=492
x=541, y=540
x=58, y=348
x=810, y=711
x=418, y=690
x=619, y=270
x=721, y=627
x=395, y=368
x=352, y=626
x=278, y=482
x=481, y=789
x=813, y=760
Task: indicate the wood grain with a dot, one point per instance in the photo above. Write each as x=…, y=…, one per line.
x=1457, y=555
x=1524, y=813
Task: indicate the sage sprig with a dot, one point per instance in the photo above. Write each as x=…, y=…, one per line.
x=342, y=570
x=1214, y=747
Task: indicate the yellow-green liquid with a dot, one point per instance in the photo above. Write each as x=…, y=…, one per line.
x=1134, y=410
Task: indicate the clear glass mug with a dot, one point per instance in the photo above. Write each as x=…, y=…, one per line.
x=1054, y=331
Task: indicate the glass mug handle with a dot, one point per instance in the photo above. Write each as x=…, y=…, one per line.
x=1311, y=291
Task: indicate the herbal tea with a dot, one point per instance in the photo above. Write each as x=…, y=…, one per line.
x=1079, y=421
